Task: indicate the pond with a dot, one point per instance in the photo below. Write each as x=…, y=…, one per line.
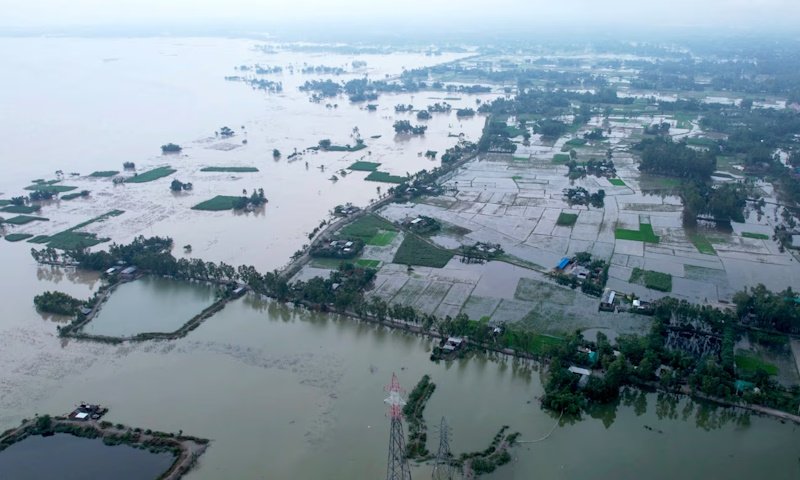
x=67, y=457
x=150, y=304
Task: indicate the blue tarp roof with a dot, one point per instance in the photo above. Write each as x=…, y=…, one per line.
x=563, y=263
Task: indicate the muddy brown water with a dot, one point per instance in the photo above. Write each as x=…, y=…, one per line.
x=281, y=393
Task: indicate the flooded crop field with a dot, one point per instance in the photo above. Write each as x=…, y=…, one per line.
x=283, y=391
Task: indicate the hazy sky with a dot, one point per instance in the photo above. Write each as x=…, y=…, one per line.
x=757, y=14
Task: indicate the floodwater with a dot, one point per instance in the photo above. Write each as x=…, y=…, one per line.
x=281, y=393
x=150, y=304
x=66, y=457
x=118, y=100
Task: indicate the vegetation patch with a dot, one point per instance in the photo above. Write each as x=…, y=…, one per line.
x=567, y=219
x=151, y=175
x=50, y=188
x=23, y=219
x=18, y=237
x=364, y=166
x=653, y=280
x=416, y=251
x=230, y=169
x=385, y=177
x=220, y=202
x=561, y=158
x=752, y=364
x=758, y=236
x=702, y=244
x=382, y=238
x=616, y=182
x=71, y=239
x=21, y=208
x=368, y=228
x=363, y=262
x=3, y=203
x=644, y=234
x=57, y=302
x=104, y=173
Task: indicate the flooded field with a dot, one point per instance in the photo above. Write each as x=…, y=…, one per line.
x=150, y=304
x=181, y=96
x=63, y=456
x=284, y=393
x=290, y=394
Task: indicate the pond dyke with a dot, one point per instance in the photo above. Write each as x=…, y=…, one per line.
x=186, y=449
x=75, y=330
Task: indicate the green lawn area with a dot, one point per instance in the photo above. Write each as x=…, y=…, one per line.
x=684, y=119
x=575, y=142
x=23, y=219
x=70, y=239
x=230, y=169
x=363, y=262
x=104, y=173
x=220, y=202
x=561, y=158
x=364, y=166
x=653, y=280
x=644, y=234
x=616, y=182
x=151, y=175
x=701, y=142
x=367, y=228
x=70, y=196
x=17, y=237
x=21, y=208
x=543, y=344
x=758, y=236
x=345, y=148
x=382, y=238
x=567, y=219
x=751, y=363
x=50, y=188
x=3, y=203
x=702, y=244
x=385, y=177
x=416, y=251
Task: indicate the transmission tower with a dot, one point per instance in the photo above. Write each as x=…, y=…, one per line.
x=397, y=466
x=443, y=469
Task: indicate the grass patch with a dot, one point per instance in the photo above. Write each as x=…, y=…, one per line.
x=230, y=169
x=104, y=173
x=561, y=158
x=367, y=228
x=71, y=196
x=576, y=142
x=567, y=219
x=220, y=202
x=702, y=244
x=757, y=236
x=543, y=344
x=17, y=237
x=652, y=280
x=21, y=208
x=39, y=239
x=616, y=182
x=363, y=262
x=701, y=142
x=151, y=175
x=23, y=219
x=644, y=234
x=416, y=251
x=3, y=203
x=382, y=238
x=364, y=166
x=385, y=177
x=71, y=239
x=751, y=363
x=50, y=188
